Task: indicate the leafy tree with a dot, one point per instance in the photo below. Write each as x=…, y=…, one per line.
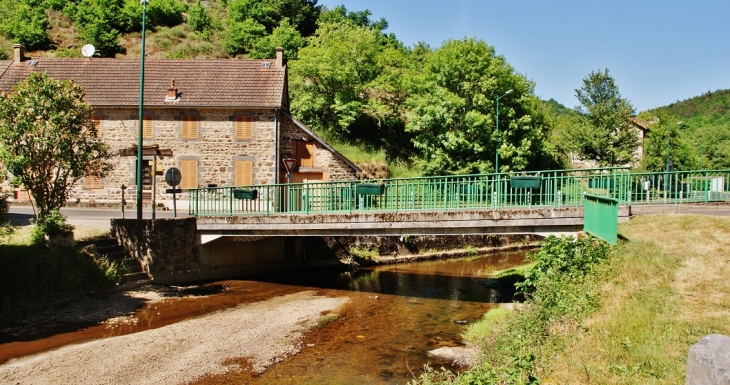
x=302, y=14
x=349, y=86
x=332, y=76
x=681, y=152
x=340, y=14
x=605, y=134
x=285, y=36
x=48, y=140
x=242, y=36
x=452, y=113
x=24, y=22
x=99, y=23
x=198, y=18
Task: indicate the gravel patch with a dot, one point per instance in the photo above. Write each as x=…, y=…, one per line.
x=263, y=332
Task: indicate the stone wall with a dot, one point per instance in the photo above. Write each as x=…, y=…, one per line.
x=215, y=149
x=163, y=247
x=334, y=167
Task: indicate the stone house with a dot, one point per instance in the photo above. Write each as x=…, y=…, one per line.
x=226, y=121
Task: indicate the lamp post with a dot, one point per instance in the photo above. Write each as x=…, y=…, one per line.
x=141, y=110
x=668, y=149
x=496, y=119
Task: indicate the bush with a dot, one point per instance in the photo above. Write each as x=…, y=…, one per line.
x=52, y=225
x=242, y=36
x=198, y=18
x=24, y=22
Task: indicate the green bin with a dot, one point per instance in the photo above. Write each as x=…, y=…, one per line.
x=245, y=194
x=370, y=189
x=525, y=182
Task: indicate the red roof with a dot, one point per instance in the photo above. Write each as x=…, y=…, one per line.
x=210, y=83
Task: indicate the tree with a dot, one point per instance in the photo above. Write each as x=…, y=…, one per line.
x=605, y=133
x=452, y=113
x=48, y=140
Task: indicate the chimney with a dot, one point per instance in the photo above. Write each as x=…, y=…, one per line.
x=18, y=53
x=279, y=57
x=172, y=91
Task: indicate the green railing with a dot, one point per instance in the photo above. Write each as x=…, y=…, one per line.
x=600, y=217
x=484, y=191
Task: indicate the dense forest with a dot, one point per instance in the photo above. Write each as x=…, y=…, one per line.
x=421, y=110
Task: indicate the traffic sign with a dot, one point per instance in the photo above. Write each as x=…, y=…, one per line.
x=173, y=176
x=289, y=164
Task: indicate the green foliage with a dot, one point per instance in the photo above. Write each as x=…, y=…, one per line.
x=605, y=133
x=562, y=291
x=24, y=22
x=242, y=36
x=563, y=257
x=453, y=113
x=99, y=23
x=665, y=135
x=347, y=85
x=34, y=274
x=48, y=141
x=198, y=18
x=51, y=225
x=285, y=36
x=705, y=133
x=340, y=14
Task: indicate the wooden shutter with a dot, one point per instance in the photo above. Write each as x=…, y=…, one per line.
x=243, y=173
x=148, y=122
x=189, y=171
x=96, y=123
x=244, y=127
x=92, y=182
x=305, y=154
x=189, y=126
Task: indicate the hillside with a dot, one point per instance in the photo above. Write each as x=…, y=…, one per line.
x=705, y=127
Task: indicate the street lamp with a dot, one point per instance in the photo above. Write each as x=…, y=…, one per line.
x=496, y=151
x=668, y=149
x=141, y=104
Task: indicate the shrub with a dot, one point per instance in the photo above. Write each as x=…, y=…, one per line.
x=242, y=36
x=54, y=224
x=198, y=18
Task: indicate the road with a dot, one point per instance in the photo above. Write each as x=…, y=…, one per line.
x=87, y=218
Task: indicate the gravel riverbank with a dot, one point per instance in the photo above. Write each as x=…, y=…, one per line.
x=262, y=332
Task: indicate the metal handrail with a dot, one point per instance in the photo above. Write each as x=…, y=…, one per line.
x=551, y=188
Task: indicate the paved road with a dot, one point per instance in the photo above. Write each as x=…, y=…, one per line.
x=87, y=218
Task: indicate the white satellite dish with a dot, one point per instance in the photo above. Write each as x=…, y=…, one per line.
x=88, y=50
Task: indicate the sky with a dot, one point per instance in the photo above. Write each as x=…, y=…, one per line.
x=658, y=51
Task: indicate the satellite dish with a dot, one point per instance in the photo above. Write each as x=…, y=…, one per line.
x=88, y=50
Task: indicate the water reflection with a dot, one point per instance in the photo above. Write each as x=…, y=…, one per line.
x=395, y=316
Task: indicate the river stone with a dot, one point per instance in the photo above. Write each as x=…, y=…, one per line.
x=459, y=356
x=709, y=361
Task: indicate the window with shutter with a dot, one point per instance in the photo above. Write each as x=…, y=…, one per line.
x=189, y=174
x=189, y=126
x=243, y=171
x=305, y=154
x=243, y=127
x=92, y=182
x=148, y=122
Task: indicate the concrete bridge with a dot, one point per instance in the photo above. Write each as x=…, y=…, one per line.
x=510, y=220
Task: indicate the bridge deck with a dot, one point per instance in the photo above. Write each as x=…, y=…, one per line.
x=545, y=220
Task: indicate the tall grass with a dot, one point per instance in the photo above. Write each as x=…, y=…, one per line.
x=630, y=320
x=669, y=288
x=31, y=275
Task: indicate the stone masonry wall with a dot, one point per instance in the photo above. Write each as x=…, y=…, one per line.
x=333, y=167
x=163, y=247
x=215, y=149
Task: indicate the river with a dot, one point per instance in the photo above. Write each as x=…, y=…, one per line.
x=395, y=315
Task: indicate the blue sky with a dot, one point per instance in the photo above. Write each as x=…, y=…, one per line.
x=658, y=51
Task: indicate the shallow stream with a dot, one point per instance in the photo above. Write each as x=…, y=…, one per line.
x=395, y=315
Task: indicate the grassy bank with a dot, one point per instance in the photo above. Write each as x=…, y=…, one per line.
x=31, y=275
x=626, y=319
x=669, y=287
